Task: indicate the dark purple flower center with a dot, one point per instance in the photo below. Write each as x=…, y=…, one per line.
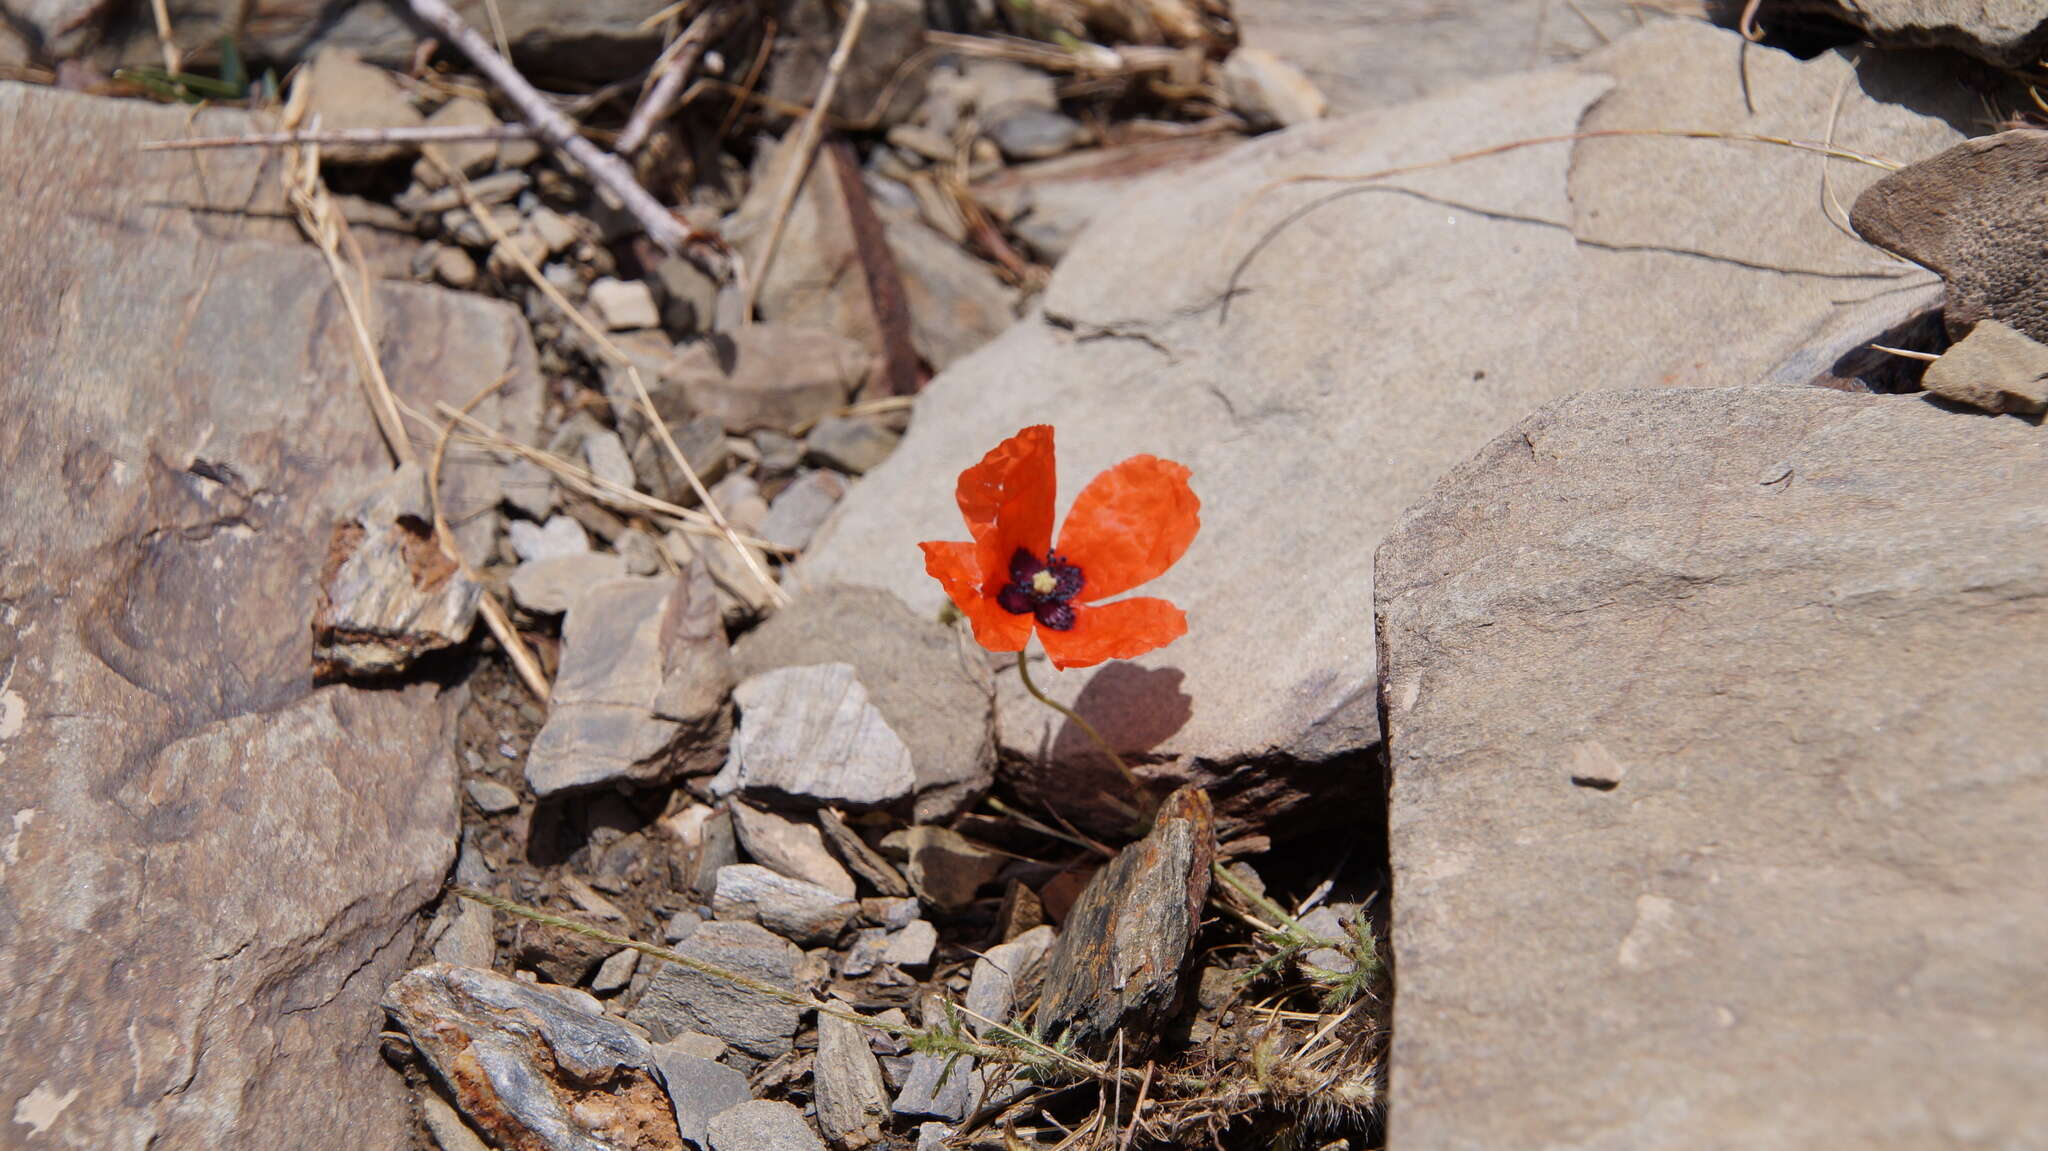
x=1041, y=589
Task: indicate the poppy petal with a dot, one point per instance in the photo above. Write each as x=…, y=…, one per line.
x=1125, y=629
x=1007, y=500
x=957, y=568
x=1130, y=524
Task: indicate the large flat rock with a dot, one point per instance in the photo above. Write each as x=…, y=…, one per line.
x=209, y=867
x=1720, y=781
x=1373, y=342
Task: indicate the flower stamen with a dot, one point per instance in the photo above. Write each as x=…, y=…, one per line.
x=1041, y=589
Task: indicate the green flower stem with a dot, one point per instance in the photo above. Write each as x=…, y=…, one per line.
x=1130, y=777
x=1289, y=924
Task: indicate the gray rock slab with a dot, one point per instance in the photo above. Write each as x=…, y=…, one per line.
x=699, y=1088
x=912, y=944
x=640, y=697
x=860, y=859
x=679, y=999
x=2008, y=33
x=763, y=1125
x=934, y=688
x=808, y=735
x=533, y=1066
x=799, y=510
x=803, y=913
x=853, y=1102
x=1412, y=371
x=1696, y=698
x=550, y=585
x=939, y=1087
x=792, y=847
x=1994, y=369
x=1000, y=972
x=188, y=430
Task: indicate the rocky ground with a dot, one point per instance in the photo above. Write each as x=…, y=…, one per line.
x=468, y=677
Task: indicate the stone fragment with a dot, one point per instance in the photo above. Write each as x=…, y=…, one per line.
x=790, y=847
x=702, y=442
x=348, y=93
x=945, y=868
x=852, y=444
x=624, y=304
x=852, y=1100
x=560, y=536
x=890, y=912
x=689, y=296
x=389, y=595
x=679, y=999
x=995, y=88
x=529, y=488
x=470, y=157
x=1021, y=911
x=1994, y=368
x=912, y=945
x=763, y=1125
x=1971, y=215
x=490, y=796
x=446, y=1125
x=615, y=973
x=808, y=735
x=801, y=912
x=454, y=267
x=556, y=232
x=1000, y=973
x=865, y=954
x=534, y=1067
x=940, y=1087
x=932, y=1137
x=1269, y=92
x=186, y=425
x=858, y=857
x=1612, y=631
x=1035, y=134
x=1609, y=263
x=557, y=954
x=699, y=1088
x=604, y=453
x=2006, y=33
x=933, y=688
x=640, y=697
x=739, y=497
x=1125, y=945
x=768, y=375
x=551, y=585
x=799, y=510
x=742, y=595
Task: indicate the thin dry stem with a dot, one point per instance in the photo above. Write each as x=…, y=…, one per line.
x=677, y=61
x=160, y=11
x=425, y=134
x=806, y=145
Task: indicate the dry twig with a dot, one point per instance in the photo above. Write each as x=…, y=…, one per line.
x=674, y=66
x=434, y=134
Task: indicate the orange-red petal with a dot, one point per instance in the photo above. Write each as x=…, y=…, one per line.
x=957, y=568
x=1125, y=629
x=1130, y=524
x=1007, y=501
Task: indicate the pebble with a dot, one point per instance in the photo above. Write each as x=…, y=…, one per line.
x=850, y=443
x=851, y=1097
x=622, y=305
x=796, y=514
x=490, y=796
x=604, y=453
x=560, y=536
x=1035, y=134
x=913, y=945
x=552, y=586
x=992, y=990
x=615, y=973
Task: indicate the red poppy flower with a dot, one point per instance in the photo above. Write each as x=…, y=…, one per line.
x=1129, y=525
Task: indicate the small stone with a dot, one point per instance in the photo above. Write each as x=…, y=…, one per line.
x=762, y=1125
x=742, y=595
x=551, y=586
x=347, y=93
x=998, y=975
x=945, y=868
x=447, y=1126
x=622, y=305
x=454, y=267
x=699, y=1088
x=1995, y=369
x=641, y=552
x=490, y=796
x=557, y=954
x=528, y=487
x=615, y=973
x=769, y=376
x=471, y=936
x=388, y=594
x=921, y=141
x=604, y=453
x=940, y=1087
x=555, y=231
x=998, y=87
x=1269, y=92
x=858, y=857
x=789, y=847
x=689, y=296
x=852, y=1100
x=890, y=912
x=1035, y=134
x=536, y=1066
x=739, y=497
x=560, y=536
x=470, y=157
x=692, y=1043
x=866, y=953
x=851, y=444
x=912, y=946
x=780, y=454
x=716, y=846
x=680, y=999
x=809, y=735
x=702, y=442
x=1118, y=963
x=933, y=1136
x=1021, y=911
x=800, y=509
x=804, y=913
x=641, y=694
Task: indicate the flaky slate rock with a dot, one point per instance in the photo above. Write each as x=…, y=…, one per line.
x=389, y=595
x=1971, y=215
x=1609, y=263
x=640, y=697
x=852, y=1100
x=209, y=867
x=1000, y=973
x=699, y=1088
x=1706, y=785
x=792, y=847
x=534, y=1068
x=803, y=913
x=808, y=735
x=680, y=999
x=934, y=689
x=763, y=1125
x=1125, y=944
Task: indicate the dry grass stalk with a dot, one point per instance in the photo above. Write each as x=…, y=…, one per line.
x=610, y=351
x=806, y=146
x=434, y=134
x=670, y=70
